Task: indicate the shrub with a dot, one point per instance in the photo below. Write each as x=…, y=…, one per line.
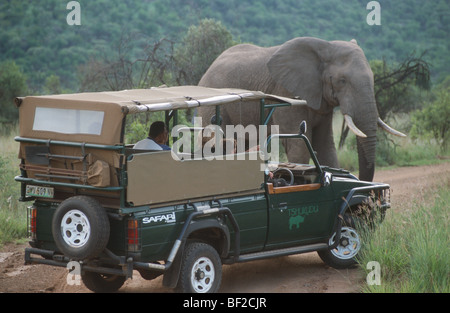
x=433, y=121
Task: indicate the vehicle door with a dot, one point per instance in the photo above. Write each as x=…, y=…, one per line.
x=300, y=214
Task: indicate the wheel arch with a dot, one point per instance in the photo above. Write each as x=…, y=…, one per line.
x=212, y=232
x=357, y=200
x=209, y=231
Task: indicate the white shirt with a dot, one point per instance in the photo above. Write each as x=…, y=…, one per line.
x=147, y=144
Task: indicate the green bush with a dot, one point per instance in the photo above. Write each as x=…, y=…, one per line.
x=433, y=121
x=12, y=84
x=202, y=44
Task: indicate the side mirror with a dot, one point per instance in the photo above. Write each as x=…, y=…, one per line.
x=302, y=127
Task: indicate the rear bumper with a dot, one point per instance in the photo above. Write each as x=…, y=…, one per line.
x=119, y=265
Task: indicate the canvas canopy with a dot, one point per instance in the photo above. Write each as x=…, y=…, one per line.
x=159, y=99
x=38, y=120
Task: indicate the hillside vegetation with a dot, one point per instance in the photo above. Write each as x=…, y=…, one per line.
x=36, y=36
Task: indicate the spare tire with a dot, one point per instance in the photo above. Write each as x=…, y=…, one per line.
x=80, y=228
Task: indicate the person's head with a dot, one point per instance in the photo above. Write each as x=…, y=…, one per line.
x=158, y=132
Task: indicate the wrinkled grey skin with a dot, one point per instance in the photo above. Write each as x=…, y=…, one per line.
x=325, y=74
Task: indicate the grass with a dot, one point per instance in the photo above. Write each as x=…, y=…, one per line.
x=13, y=214
x=412, y=246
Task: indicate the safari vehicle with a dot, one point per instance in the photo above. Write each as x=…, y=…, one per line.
x=114, y=210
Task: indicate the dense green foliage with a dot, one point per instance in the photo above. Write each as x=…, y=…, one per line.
x=12, y=84
x=36, y=35
x=433, y=119
x=200, y=47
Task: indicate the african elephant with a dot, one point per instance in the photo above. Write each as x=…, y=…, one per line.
x=324, y=73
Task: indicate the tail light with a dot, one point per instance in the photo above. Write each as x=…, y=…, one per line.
x=32, y=214
x=133, y=236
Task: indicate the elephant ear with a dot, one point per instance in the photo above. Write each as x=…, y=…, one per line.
x=297, y=66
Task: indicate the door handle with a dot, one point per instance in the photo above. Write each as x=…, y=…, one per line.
x=282, y=206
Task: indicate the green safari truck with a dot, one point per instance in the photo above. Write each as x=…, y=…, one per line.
x=111, y=209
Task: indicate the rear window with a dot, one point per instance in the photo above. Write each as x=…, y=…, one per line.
x=68, y=121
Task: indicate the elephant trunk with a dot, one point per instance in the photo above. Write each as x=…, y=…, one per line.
x=364, y=125
x=366, y=157
x=365, y=128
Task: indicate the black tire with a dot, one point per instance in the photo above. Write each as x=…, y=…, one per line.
x=346, y=253
x=97, y=282
x=80, y=228
x=201, y=269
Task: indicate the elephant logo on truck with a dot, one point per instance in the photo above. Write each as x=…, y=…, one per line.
x=296, y=220
x=297, y=215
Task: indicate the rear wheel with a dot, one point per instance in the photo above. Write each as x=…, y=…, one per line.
x=80, y=228
x=201, y=269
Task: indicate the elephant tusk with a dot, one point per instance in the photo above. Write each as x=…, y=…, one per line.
x=389, y=129
x=352, y=126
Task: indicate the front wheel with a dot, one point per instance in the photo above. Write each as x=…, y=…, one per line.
x=345, y=253
x=201, y=269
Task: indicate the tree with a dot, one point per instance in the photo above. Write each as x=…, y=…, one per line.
x=393, y=84
x=110, y=72
x=200, y=47
x=434, y=119
x=156, y=66
x=160, y=62
x=12, y=85
x=52, y=85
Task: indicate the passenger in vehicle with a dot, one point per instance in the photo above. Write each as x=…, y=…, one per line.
x=158, y=136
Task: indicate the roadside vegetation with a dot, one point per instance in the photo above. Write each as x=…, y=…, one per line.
x=411, y=245
x=13, y=214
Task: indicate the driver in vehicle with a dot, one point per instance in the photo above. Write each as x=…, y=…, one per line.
x=158, y=136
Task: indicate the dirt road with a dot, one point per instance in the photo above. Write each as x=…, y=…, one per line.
x=293, y=274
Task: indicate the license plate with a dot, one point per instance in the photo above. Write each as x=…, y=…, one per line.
x=39, y=191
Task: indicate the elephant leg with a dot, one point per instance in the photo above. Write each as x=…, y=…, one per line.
x=323, y=142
